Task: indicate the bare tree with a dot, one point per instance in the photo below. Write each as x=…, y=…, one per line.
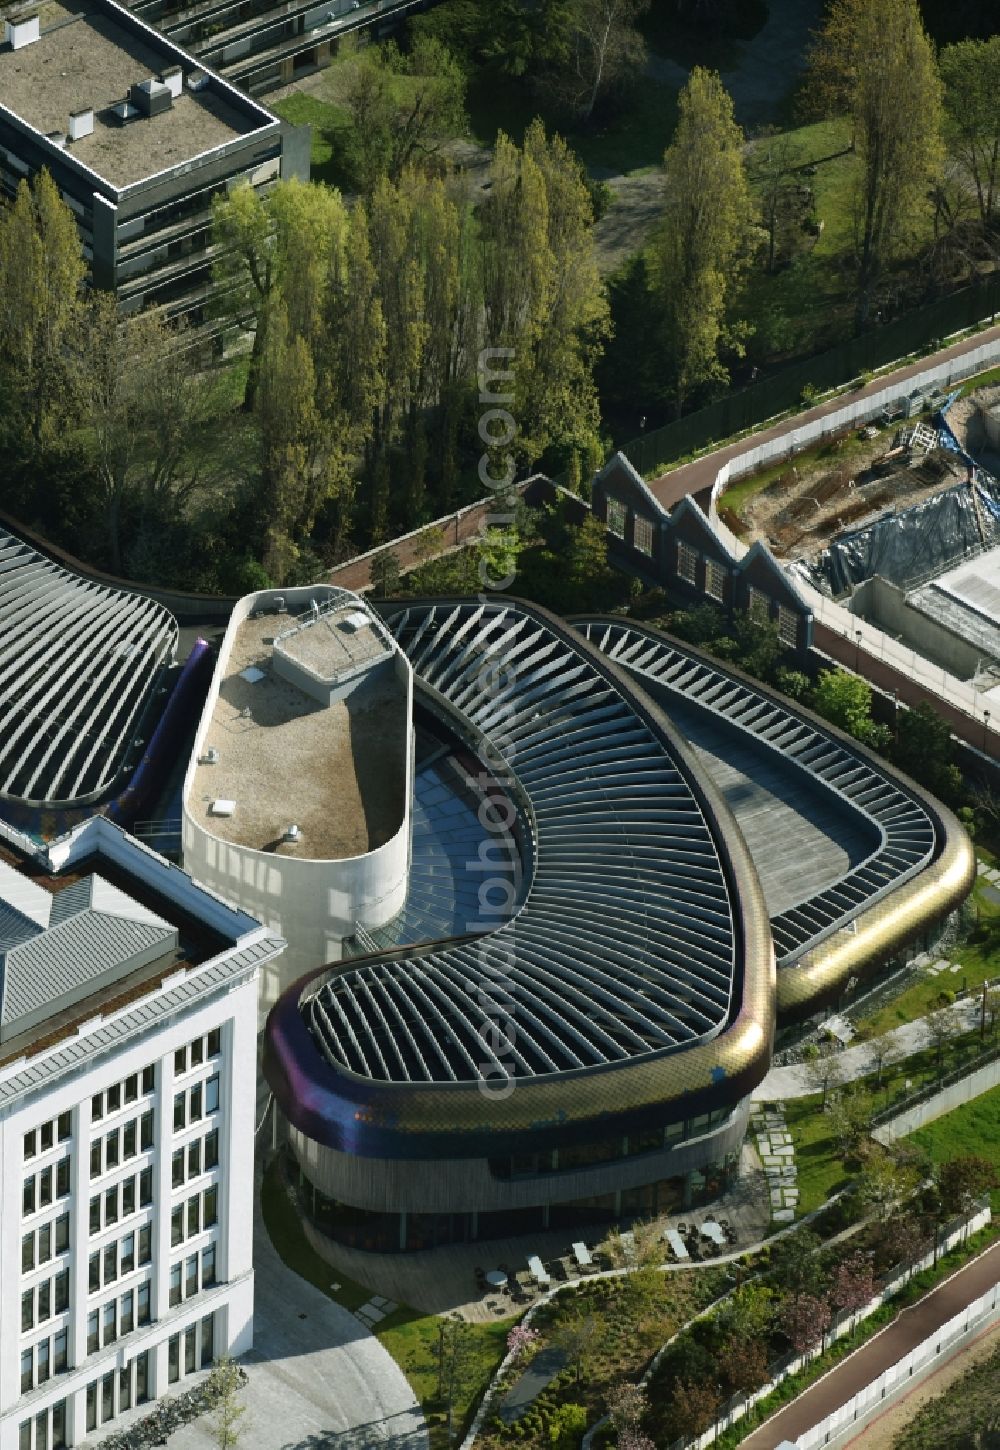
x=942, y=1028
x=604, y=47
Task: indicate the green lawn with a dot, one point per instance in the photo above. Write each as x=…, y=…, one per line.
x=408, y=1335
x=818, y=1163
x=331, y=128
x=973, y=1129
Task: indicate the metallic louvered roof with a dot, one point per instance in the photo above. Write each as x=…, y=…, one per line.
x=625, y=944
x=78, y=661
x=906, y=834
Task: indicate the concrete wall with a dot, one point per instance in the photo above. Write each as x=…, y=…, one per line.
x=953, y=1096
x=313, y=904
x=884, y=604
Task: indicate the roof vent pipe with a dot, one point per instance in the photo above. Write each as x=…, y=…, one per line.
x=292, y=835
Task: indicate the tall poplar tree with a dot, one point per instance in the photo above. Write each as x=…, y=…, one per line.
x=700, y=254
x=971, y=75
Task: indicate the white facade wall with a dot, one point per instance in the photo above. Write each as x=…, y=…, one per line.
x=232, y=1013
x=313, y=904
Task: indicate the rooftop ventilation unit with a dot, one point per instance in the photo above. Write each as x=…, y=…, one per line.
x=81, y=123
x=173, y=79
x=122, y=112
x=210, y=757
x=222, y=808
x=279, y=603
x=151, y=97
x=292, y=835
x=22, y=31
x=197, y=80
x=58, y=138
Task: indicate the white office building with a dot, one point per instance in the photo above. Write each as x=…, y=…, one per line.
x=127, y=1090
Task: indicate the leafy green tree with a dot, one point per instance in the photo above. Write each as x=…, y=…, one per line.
x=703, y=246
x=748, y=1314
x=970, y=71
x=405, y=108
x=874, y=61
x=886, y=1178
x=794, y=1262
x=41, y=274
x=925, y=750
x=385, y=574
x=962, y=1180
x=846, y=701
x=771, y=169
x=694, y=1406
x=228, y=1415
x=566, y=1424
x=851, y=1115
x=576, y=1334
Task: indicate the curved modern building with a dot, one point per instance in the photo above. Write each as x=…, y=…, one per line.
x=589, y=1053
x=296, y=801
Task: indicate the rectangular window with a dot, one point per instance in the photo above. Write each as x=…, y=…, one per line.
x=788, y=626
x=148, y=1078
x=94, y=1273
x=110, y=1263
x=180, y=1118
x=30, y=1148
x=107, y=1398
x=93, y=1332
x=191, y=1349
x=59, y=1426
x=92, y=1406
x=110, y=1205
x=111, y=1150
x=177, y=1168
x=60, y=1352
x=191, y=1277
x=193, y=1216
x=197, y=1051
x=642, y=534
x=28, y=1196
x=27, y=1253
x=97, y=1107
x=114, y=1098
x=26, y=1371
x=65, y=1126
x=110, y=1323
x=176, y=1227
x=24, y=1435
x=617, y=514
x=142, y=1304
x=207, y=1340
x=128, y=1254
x=95, y=1158
x=27, y=1310
x=212, y=1150
x=125, y=1388
x=46, y=1136
x=145, y=1244
x=129, y=1140
x=43, y=1361
x=214, y=1041
x=128, y=1197
x=45, y=1243
x=45, y=1188
x=715, y=580
x=173, y=1359
x=95, y=1214
x=44, y=1301
x=212, y=1094
x=62, y=1178
x=196, y=1103
x=758, y=606
x=180, y=1061
x=146, y=1130
x=142, y=1377
x=145, y=1187
x=132, y=1088
x=211, y=1214
x=208, y=1267
x=687, y=563
x=62, y=1291
x=128, y=1312
x=175, y=1284
x=42, y=1430
x=194, y=1158
x=62, y=1233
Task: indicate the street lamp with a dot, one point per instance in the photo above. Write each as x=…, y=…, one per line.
x=857, y=649
x=895, y=715
x=986, y=726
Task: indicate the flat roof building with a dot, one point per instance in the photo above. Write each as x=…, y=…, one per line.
x=127, y=1101
x=138, y=137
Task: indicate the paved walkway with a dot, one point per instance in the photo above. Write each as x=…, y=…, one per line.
x=905, y=1332
x=698, y=477
x=318, y=1379
x=855, y=1062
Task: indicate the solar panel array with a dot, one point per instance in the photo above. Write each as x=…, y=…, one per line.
x=907, y=837
x=78, y=661
x=625, y=943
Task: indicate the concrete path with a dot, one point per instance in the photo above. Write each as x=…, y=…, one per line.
x=855, y=1062
x=906, y=1331
x=318, y=1379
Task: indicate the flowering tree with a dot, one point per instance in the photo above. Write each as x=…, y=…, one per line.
x=853, y=1283
x=520, y=1339
x=805, y=1319
x=626, y=1405
x=631, y=1439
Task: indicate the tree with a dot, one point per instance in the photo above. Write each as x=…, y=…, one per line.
x=853, y=1283
x=771, y=169
x=694, y=1406
x=925, y=750
x=822, y=1070
x=942, y=1027
x=970, y=71
x=456, y=1356
x=748, y=1314
x=520, y=1339
x=603, y=49
x=851, y=1114
x=385, y=574
x=632, y=1439
x=884, y=1050
x=626, y=1405
x=575, y=1334
x=805, y=1320
x=846, y=701
x=405, y=107
x=962, y=1180
x=873, y=59
x=794, y=1263
x=566, y=1425
x=744, y=1364
x=884, y=1180
x=42, y=271
x=703, y=246
x=224, y=1382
